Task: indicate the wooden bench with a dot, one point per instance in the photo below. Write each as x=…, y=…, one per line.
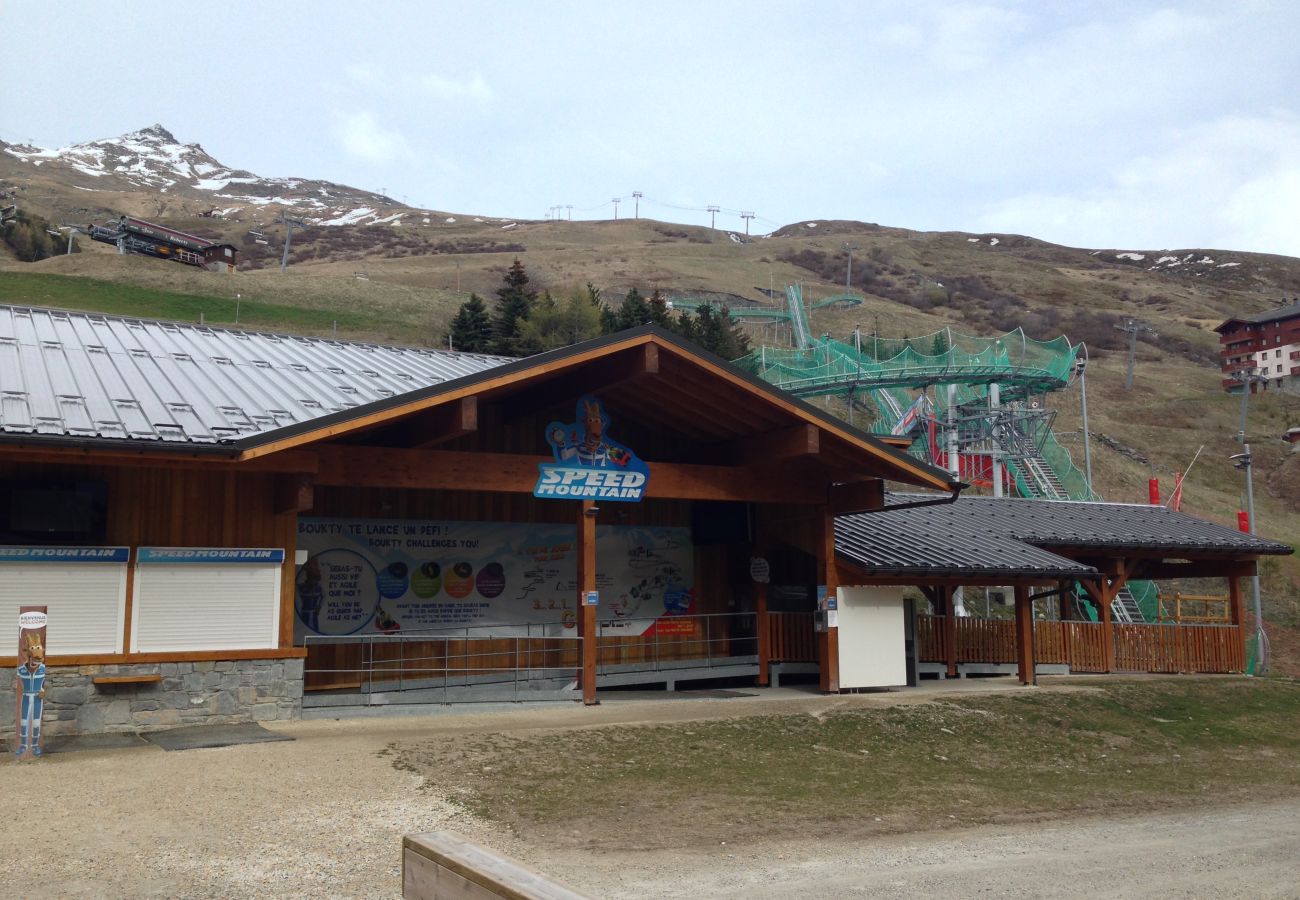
x=126, y=679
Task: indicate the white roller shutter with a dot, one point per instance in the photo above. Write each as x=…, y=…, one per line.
x=86, y=603
x=201, y=606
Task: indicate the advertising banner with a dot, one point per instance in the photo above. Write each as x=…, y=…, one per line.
x=381, y=576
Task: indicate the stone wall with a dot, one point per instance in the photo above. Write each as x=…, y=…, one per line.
x=190, y=693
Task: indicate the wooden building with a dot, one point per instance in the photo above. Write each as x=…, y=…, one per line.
x=162, y=480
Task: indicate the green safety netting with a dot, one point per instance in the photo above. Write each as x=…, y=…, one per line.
x=827, y=366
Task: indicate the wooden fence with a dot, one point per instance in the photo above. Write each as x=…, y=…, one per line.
x=1081, y=645
x=791, y=637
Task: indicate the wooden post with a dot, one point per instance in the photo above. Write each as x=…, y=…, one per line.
x=1063, y=600
x=828, y=641
x=764, y=634
x=1110, y=586
x=1025, y=635
x=587, y=627
x=1235, y=616
x=949, y=628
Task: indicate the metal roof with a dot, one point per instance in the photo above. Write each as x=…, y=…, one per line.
x=86, y=375
x=980, y=536
x=941, y=541
x=1280, y=314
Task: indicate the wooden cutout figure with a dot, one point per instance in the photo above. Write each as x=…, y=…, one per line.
x=29, y=682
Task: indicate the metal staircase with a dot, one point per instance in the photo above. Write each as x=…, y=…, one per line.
x=1042, y=480
x=1124, y=608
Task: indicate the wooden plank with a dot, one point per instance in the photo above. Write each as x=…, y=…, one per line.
x=102, y=659
x=444, y=423
x=628, y=364
x=126, y=679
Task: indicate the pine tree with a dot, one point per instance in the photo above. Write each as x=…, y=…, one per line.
x=634, y=311
x=514, y=304
x=471, y=327
x=940, y=346
x=659, y=313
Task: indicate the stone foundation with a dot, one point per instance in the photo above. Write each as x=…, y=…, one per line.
x=190, y=693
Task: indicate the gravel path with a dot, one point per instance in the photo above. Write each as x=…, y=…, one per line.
x=322, y=816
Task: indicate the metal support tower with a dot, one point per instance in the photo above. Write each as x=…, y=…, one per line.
x=848, y=272
x=747, y=216
x=636, y=198
x=713, y=216
x=289, y=225
x=1132, y=326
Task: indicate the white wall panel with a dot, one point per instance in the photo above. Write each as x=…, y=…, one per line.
x=871, y=635
x=86, y=603
x=206, y=607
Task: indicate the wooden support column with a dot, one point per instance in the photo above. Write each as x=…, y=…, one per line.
x=828, y=641
x=1066, y=591
x=587, y=627
x=1108, y=592
x=764, y=632
x=1236, y=617
x=949, y=628
x=1025, y=635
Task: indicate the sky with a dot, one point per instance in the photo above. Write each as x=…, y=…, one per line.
x=1096, y=124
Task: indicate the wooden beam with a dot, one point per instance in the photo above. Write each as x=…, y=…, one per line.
x=777, y=446
x=346, y=465
x=294, y=493
x=828, y=645
x=1025, y=636
x=851, y=497
x=444, y=423
x=949, y=629
x=764, y=629
x=588, y=626
x=626, y=365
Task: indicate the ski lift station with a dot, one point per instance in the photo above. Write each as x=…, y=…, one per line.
x=225, y=525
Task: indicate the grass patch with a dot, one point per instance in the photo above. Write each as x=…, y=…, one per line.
x=959, y=761
x=113, y=298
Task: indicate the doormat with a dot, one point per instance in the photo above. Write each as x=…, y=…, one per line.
x=199, y=737
x=75, y=743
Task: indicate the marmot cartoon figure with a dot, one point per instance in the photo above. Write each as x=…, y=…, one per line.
x=31, y=690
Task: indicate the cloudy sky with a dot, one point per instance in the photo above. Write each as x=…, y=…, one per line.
x=1098, y=124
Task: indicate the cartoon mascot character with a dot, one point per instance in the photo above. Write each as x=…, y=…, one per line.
x=31, y=693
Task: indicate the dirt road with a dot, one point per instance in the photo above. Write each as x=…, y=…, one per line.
x=1245, y=852
x=322, y=816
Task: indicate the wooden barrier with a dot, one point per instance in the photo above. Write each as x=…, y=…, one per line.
x=444, y=866
x=792, y=637
x=1178, y=648
x=1080, y=645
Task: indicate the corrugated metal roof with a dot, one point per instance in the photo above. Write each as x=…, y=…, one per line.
x=84, y=375
x=987, y=536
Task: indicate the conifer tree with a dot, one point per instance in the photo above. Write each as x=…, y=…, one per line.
x=634, y=311
x=471, y=327
x=659, y=313
x=514, y=304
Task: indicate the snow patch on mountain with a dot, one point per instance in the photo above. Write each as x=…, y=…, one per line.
x=153, y=159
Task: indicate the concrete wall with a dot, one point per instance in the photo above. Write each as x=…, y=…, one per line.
x=190, y=693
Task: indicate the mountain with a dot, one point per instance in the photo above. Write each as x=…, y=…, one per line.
x=149, y=172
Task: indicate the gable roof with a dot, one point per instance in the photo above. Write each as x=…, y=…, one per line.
x=103, y=381
x=986, y=536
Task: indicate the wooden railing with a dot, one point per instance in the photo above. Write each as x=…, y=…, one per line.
x=1081, y=645
x=1178, y=648
x=791, y=637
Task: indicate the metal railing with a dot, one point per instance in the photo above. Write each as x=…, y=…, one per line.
x=441, y=665
x=655, y=643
